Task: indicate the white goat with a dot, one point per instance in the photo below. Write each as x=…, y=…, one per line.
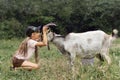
x=87, y=45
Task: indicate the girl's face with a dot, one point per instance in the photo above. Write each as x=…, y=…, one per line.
x=35, y=35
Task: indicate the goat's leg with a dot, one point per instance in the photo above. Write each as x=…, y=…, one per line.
x=72, y=58
x=108, y=59
x=105, y=54
x=101, y=58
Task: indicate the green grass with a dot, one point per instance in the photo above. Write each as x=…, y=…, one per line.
x=53, y=66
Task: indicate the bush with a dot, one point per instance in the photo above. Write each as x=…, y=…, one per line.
x=11, y=28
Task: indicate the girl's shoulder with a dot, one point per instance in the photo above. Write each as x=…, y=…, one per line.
x=32, y=42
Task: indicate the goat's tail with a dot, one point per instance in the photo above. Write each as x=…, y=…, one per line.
x=115, y=33
x=113, y=36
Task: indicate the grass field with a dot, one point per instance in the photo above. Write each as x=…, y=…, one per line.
x=53, y=66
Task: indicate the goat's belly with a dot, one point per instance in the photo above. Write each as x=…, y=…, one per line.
x=83, y=50
x=87, y=54
x=91, y=51
x=84, y=53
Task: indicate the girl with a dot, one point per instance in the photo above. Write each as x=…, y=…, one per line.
x=28, y=47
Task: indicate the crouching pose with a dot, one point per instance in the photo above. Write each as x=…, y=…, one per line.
x=28, y=47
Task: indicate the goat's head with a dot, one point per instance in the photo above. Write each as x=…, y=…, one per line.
x=50, y=36
x=52, y=29
x=50, y=33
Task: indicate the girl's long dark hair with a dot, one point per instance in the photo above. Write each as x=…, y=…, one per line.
x=23, y=47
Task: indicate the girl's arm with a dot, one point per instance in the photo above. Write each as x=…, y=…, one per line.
x=44, y=42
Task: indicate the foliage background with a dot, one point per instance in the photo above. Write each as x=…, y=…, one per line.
x=69, y=15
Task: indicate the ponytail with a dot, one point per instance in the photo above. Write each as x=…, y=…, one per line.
x=23, y=47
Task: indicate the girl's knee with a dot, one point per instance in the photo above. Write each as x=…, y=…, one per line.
x=36, y=66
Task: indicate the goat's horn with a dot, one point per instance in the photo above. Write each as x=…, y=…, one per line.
x=50, y=24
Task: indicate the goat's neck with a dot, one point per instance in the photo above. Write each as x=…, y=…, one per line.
x=58, y=40
x=59, y=43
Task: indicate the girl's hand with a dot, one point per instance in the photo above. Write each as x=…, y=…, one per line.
x=45, y=28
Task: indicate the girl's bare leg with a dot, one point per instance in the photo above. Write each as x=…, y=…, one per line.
x=29, y=65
